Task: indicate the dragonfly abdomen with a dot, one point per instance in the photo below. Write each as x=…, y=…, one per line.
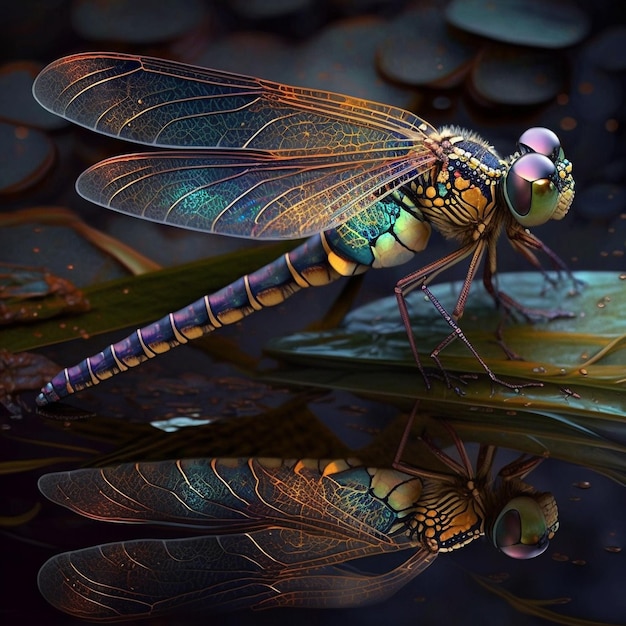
x=307, y=265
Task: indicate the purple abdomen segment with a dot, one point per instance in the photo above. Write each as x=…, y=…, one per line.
x=305, y=266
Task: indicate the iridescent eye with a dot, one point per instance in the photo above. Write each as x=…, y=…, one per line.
x=529, y=189
x=542, y=141
x=521, y=531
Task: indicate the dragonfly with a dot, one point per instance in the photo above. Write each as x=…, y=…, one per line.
x=283, y=533
x=364, y=182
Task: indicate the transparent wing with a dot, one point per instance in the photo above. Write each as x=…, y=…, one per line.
x=163, y=103
x=262, y=569
x=231, y=495
x=245, y=194
x=315, y=158
x=277, y=534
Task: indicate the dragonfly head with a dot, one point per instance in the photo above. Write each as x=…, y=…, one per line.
x=538, y=185
x=525, y=525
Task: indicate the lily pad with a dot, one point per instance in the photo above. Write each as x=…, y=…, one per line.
x=607, y=49
x=341, y=58
x=509, y=76
x=16, y=97
x=588, y=348
x=554, y=24
x=420, y=50
x=25, y=157
x=136, y=21
x=251, y=53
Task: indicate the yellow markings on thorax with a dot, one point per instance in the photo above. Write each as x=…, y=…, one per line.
x=461, y=184
x=400, y=490
x=462, y=523
x=475, y=198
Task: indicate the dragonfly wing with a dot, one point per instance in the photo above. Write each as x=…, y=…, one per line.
x=263, y=569
x=232, y=495
x=178, y=493
x=247, y=194
x=168, y=104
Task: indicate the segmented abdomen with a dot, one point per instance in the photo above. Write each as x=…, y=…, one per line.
x=305, y=266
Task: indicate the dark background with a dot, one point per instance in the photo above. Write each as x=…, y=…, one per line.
x=566, y=74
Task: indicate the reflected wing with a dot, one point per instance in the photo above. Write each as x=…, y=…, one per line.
x=316, y=158
x=280, y=531
x=245, y=194
x=264, y=569
x=236, y=495
x=168, y=104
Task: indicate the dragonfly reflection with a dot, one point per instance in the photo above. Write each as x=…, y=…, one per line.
x=282, y=533
x=366, y=182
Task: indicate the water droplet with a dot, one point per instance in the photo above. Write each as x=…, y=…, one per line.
x=561, y=558
x=613, y=549
x=583, y=372
x=579, y=562
x=583, y=484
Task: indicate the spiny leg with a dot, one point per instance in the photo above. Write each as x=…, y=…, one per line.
x=407, y=284
x=464, y=469
x=420, y=280
x=521, y=467
x=525, y=242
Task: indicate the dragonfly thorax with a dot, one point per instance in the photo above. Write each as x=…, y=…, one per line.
x=448, y=516
x=459, y=195
x=388, y=233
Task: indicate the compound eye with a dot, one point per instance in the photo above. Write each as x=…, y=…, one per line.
x=520, y=530
x=542, y=141
x=529, y=189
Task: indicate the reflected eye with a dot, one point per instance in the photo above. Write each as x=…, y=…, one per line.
x=542, y=141
x=529, y=189
x=521, y=531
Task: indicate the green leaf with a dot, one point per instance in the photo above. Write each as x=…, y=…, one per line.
x=586, y=349
x=576, y=411
x=137, y=300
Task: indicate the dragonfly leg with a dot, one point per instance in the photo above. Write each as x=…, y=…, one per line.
x=457, y=333
x=406, y=320
x=465, y=469
x=418, y=280
x=522, y=466
x=525, y=243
